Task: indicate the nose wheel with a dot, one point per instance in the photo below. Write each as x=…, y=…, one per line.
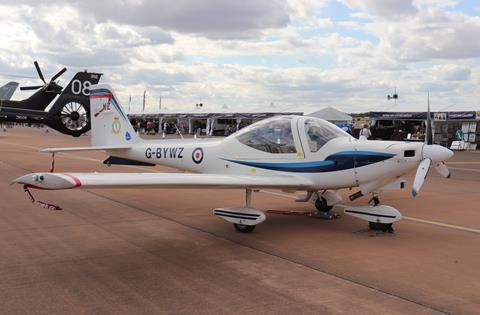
x=323, y=210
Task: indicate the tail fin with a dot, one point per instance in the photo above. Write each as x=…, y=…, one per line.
x=71, y=111
x=110, y=125
x=7, y=90
x=77, y=90
x=80, y=84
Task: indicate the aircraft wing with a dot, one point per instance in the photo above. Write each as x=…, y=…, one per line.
x=97, y=148
x=57, y=181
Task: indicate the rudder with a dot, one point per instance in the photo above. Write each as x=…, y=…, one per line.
x=110, y=124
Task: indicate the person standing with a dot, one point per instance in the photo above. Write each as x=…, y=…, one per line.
x=346, y=127
x=365, y=132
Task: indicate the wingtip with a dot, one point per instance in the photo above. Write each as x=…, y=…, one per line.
x=48, y=150
x=414, y=193
x=19, y=180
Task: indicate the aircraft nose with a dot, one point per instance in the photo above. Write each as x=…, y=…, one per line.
x=436, y=152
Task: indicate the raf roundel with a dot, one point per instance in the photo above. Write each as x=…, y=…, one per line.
x=197, y=155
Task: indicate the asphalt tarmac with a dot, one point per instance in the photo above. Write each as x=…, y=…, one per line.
x=162, y=251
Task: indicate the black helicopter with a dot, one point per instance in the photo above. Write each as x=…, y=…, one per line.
x=70, y=114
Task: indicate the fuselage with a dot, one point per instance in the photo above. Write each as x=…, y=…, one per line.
x=300, y=146
x=21, y=115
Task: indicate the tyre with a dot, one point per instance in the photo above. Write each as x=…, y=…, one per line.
x=383, y=227
x=321, y=205
x=242, y=228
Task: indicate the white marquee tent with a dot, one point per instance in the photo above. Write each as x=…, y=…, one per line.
x=331, y=114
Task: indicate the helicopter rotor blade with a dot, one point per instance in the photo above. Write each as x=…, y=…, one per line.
x=27, y=88
x=40, y=74
x=58, y=74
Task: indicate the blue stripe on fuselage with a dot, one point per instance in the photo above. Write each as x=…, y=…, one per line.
x=336, y=162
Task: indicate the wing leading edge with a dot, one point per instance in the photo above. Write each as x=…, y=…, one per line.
x=58, y=181
x=96, y=148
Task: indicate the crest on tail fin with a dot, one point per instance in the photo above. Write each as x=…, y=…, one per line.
x=110, y=125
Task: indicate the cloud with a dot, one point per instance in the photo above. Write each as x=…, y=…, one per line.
x=209, y=18
x=432, y=34
x=452, y=72
x=388, y=9
x=306, y=10
x=295, y=53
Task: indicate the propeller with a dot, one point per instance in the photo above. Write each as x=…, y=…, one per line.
x=422, y=172
x=431, y=153
x=442, y=169
x=46, y=85
x=429, y=136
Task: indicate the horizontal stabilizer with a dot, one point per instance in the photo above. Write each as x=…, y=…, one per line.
x=98, y=148
x=115, y=160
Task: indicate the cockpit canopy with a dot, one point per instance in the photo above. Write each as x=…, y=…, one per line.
x=276, y=135
x=270, y=135
x=320, y=132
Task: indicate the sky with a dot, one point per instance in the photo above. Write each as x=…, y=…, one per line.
x=277, y=54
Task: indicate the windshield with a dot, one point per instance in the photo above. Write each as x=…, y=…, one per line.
x=271, y=135
x=320, y=132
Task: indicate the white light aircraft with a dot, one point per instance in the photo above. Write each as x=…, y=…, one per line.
x=291, y=153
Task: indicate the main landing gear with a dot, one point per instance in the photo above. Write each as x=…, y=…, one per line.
x=244, y=228
x=243, y=219
x=378, y=226
x=381, y=227
x=380, y=217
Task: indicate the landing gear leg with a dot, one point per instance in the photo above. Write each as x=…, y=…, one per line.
x=377, y=226
x=243, y=228
x=375, y=201
x=248, y=197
